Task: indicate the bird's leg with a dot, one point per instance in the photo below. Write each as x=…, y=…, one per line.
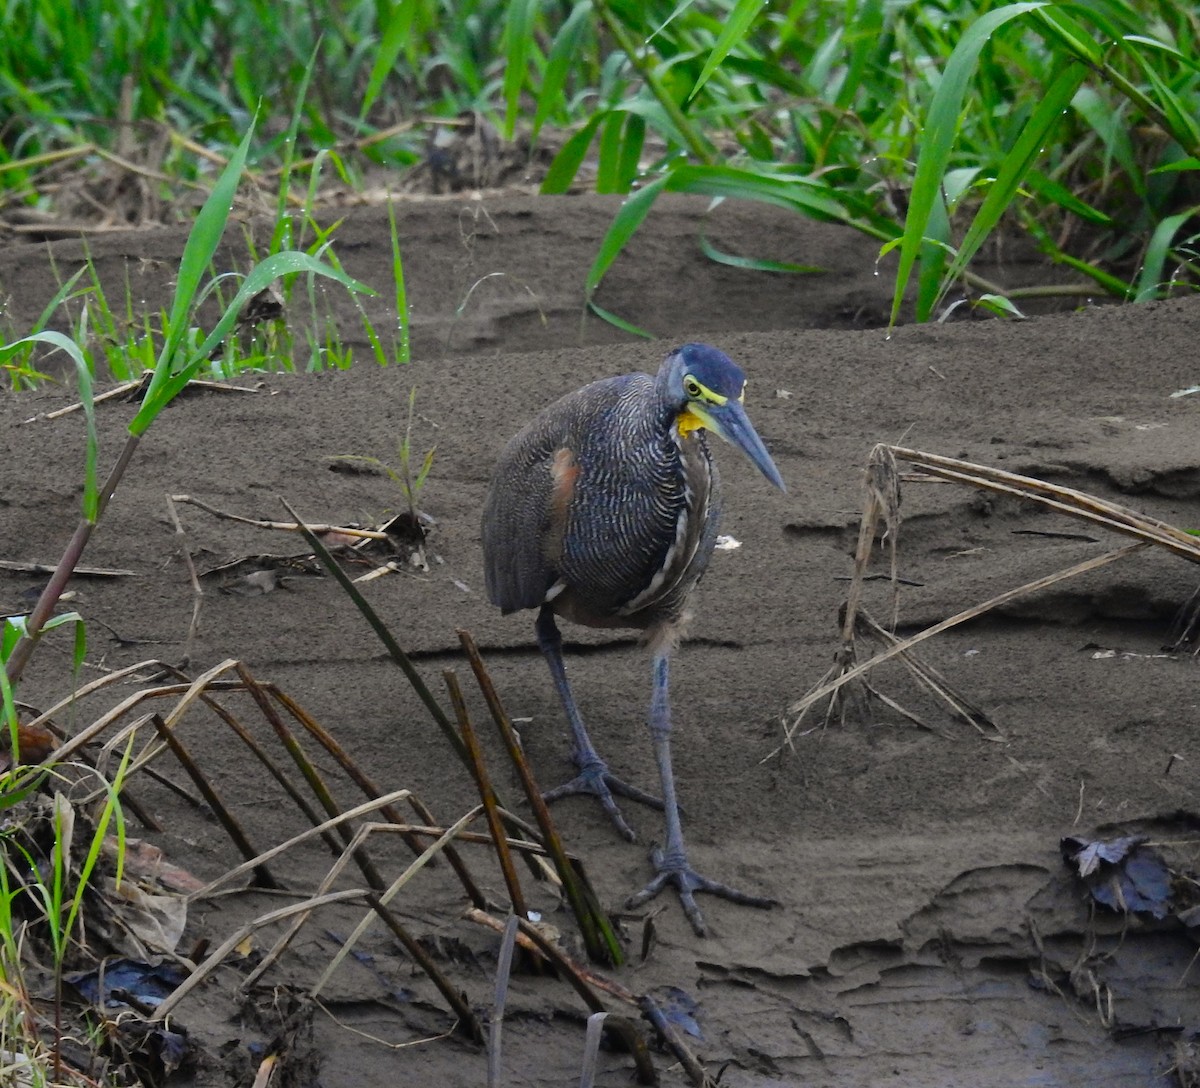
x=594, y=776
x=671, y=862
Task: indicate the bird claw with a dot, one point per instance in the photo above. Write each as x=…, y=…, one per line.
x=597, y=780
x=674, y=869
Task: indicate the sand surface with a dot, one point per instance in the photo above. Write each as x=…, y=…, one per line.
x=928, y=932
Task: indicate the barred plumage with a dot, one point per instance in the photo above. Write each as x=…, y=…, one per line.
x=604, y=510
x=630, y=517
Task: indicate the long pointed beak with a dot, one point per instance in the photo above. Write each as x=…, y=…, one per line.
x=732, y=424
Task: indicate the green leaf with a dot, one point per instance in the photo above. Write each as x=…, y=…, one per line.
x=518, y=34
x=999, y=304
x=395, y=36
x=198, y=253
x=1153, y=277
x=570, y=158
x=1189, y=163
x=562, y=56
x=1013, y=169
x=937, y=138
x=262, y=275
x=83, y=376
x=628, y=218
x=619, y=322
x=736, y=29
x=756, y=264
x=1070, y=34
x=1059, y=194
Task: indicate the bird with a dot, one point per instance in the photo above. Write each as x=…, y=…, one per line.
x=603, y=510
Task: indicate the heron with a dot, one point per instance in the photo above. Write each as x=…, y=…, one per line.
x=604, y=511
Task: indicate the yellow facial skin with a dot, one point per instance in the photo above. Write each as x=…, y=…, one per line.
x=694, y=416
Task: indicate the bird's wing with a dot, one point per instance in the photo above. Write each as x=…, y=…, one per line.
x=531, y=494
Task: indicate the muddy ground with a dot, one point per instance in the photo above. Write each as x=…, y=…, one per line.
x=928, y=932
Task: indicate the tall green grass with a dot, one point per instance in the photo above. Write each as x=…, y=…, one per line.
x=928, y=126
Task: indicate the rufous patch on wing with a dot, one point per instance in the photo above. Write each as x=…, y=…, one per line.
x=563, y=473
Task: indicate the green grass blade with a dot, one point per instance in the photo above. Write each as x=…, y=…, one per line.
x=619, y=322
x=630, y=155
x=563, y=51
x=518, y=34
x=1179, y=115
x=281, y=238
x=403, y=336
x=1057, y=193
x=1112, y=126
x=1013, y=169
x=735, y=31
x=83, y=376
x=1105, y=280
x=1152, y=279
x=1070, y=34
x=608, y=167
x=630, y=216
x=864, y=25
x=570, y=158
x=260, y=277
x=198, y=253
x=938, y=133
x=395, y=35
x=756, y=264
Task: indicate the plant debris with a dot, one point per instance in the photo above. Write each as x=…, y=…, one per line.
x=1122, y=874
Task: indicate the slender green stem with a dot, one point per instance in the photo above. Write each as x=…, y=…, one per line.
x=700, y=148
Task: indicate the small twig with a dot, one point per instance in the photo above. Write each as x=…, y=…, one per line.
x=197, y=592
x=798, y=708
x=80, y=572
x=125, y=388
x=279, y=526
x=931, y=679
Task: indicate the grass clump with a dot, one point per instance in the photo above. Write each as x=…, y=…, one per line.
x=928, y=126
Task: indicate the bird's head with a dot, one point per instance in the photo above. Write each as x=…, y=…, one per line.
x=707, y=389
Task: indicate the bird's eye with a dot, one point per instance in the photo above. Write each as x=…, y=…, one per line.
x=691, y=386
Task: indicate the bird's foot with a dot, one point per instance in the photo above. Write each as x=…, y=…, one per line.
x=596, y=779
x=673, y=868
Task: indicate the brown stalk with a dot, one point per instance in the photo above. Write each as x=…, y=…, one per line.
x=311, y=775
x=452, y=856
x=56, y=586
x=598, y=937
x=262, y=875
x=379, y=901
x=376, y=899
x=371, y=789
x=276, y=772
x=487, y=795
x=385, y=636
x=230, y=875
